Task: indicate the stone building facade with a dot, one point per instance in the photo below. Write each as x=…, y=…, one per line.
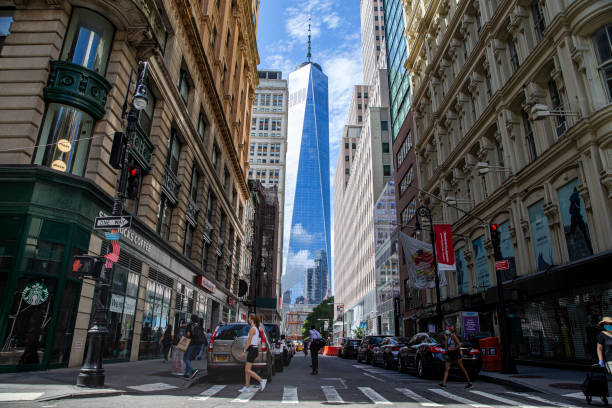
x=512, y=115
x=64, y=72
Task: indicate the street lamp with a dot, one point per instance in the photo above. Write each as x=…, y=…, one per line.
x=92, y=371
x=484, y=168
x=425, y=212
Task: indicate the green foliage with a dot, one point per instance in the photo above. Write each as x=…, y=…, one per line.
x=324, y=310
x=358, y=333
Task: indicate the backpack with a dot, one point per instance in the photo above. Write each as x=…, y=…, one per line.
x=197, y=335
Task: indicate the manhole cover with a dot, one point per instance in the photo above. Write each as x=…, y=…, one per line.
x=526, y=376
x=566, y=386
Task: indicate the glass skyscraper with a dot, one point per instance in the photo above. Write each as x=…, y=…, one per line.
x=306, y=279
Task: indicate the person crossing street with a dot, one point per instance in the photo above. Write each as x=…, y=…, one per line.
x=315, y=341
x=196, y=334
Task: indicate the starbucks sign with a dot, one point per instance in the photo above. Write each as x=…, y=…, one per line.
x=35, y=293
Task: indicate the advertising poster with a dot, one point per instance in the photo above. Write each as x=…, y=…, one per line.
x=481, y=264
x=463, y=280
x=116, y=304
x=574, y=220
x=471, y=323
x=540, y=236
x=444, y=247
x=507, y=251
x=420, y=263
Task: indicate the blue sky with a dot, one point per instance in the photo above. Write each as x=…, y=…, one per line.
x=336, y=46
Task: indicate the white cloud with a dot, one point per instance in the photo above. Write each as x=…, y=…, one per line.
x=301, y=235
x=297, y=263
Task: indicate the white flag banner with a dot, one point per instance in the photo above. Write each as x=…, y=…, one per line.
x=420, y=263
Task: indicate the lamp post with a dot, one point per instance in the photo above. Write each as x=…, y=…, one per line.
x=92, y=371
x=425, y=212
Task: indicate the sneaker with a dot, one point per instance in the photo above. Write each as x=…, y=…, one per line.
x=442, y=385
x=194, y=372
x=243, y=389
x=469, y=385
x=262, y=384
x=186, y=375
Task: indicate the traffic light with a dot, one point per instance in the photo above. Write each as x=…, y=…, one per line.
x=118, y=150
x=88, y=266
x=133, y=182
x=496, y=241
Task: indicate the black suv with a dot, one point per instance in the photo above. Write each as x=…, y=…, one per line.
x=349, y=348
x=364, y=352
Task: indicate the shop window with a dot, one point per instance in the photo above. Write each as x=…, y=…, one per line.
x=575, y=226
x=602, y=40
x=64, y=139
x=164, y=217
x=88, y=40
x=6, y=18
x=155, y=317
x=174, y=149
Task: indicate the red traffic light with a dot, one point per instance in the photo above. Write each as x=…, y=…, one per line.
x=133, y=171
x=494, y=227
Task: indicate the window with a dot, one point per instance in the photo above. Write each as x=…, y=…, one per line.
x=533, y=153
x=404, y=149
x=359, y=94
x=555, y=98
x=215, y=154
x=409, y=212
x=164, y=217
x=386, y=170
x=252, y=149
x=488, y=82
x=205, y=249
x=88, y=40
x=538, y=18
x=145, y=116
x=193, y=187
x=276, y=125
x=183, y=85
x=213, y=39
x=6, y=19
x=226, y=178
x=188, y=241
x=513, y=54
x=264, y=123
x=406, y=181
x=500, y=159
x=359, y=118
x=346, y=158
x=385, y=147
x=174, y=149
x=353, y=145
x=365, y=95
x=227, y=39
x=202, y=125
x=347, y=171
x=210, y=206
x=277, y=100
x=602, y=40
x=346, y=145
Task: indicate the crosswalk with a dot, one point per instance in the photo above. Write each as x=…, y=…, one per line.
x=423, y=397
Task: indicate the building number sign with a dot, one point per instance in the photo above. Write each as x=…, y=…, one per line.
x=35, y=293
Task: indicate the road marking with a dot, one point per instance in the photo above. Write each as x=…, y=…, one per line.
x=290, y=395
x=344, y=387
x=245, y=396
x=19, y=396
x=578, y=395
x=458, y=398
x=375, y=397
x=416, y=397
x=332, y=395
x=372, y=376
x=502, y=399
x=540, y=399
x=152, y=387
x=208, y=393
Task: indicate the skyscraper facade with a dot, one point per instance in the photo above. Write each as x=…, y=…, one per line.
x=306, y=279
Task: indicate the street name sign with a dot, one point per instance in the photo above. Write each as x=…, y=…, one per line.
x=113, y=222
x=502, y=265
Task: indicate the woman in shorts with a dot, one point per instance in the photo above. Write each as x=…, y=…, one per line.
x=453, y=355
x=251, y=351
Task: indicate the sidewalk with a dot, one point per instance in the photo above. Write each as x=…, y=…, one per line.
x=146, y=376
x=553, y=381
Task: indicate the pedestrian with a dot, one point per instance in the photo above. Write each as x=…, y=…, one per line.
x=177, y=366
x=252, y=350
x=315, y=340
x=203, y=344
x=604, y=344
x=452, y=344
x=196, y=334
x=166, y=342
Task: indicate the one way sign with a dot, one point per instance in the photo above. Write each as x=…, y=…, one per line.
x=112, y=222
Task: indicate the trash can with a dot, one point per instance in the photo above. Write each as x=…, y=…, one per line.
x=490, y=351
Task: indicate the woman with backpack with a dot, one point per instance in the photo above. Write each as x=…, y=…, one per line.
x=252, y=350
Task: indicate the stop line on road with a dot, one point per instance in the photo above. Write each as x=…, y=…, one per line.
x=434, y=397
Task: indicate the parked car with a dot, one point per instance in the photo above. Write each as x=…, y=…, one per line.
x=425, y=354
x=364, y=353
x=348, y=348
x=281, y=353
x=386, y=353
x=225, y=350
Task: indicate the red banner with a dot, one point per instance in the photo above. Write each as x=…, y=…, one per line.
x=445, y=251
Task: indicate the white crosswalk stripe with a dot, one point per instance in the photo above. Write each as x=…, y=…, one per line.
x=208, y=393
x=501, y=399
x=458, y=398
x=290, y=395
x=245, y=396
x=540, y=399
x=375, y=397
x=416, y=397
x=331, y=394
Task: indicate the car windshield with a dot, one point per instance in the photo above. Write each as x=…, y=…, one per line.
x=354, y=342
x=231, y=331
x=273, y=331
x=377, y=340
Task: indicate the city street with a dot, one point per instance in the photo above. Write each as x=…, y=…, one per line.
x=339, y=382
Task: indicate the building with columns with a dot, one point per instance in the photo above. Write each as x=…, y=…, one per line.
x=64, y=72
x=512, y=109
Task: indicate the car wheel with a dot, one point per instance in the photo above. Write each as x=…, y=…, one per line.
x=420, y=368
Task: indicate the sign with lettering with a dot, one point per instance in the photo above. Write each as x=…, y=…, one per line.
x=131, y=236
x=112, y=222
x=204, y=283
x=502, y=265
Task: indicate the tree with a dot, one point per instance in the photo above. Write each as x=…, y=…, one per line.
x=358, y=333
x=324, y=310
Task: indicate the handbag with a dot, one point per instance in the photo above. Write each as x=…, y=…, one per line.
x=183, y=344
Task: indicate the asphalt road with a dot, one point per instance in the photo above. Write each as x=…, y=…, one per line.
x=340, y=382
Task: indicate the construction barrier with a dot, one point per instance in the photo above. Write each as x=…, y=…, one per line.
x=330, y=350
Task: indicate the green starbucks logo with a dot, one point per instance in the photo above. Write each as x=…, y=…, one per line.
x=35, y=293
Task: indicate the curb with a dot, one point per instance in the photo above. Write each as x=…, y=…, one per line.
x=113, y=393
x=522, y=386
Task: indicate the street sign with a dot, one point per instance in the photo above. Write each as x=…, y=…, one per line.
x=502, y=265
x=113, y=222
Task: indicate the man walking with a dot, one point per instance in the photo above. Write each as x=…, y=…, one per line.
x=315, y=344
x=198, y=340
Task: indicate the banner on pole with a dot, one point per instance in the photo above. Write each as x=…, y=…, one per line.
x=444, y=247
x=420, y=263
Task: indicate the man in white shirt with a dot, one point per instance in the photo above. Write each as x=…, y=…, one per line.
x=314, y=349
